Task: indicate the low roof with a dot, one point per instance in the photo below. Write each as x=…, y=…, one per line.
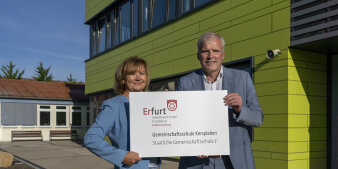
x=31, y=89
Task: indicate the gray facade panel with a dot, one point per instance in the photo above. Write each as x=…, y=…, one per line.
x=314, y=8
x=313, y=20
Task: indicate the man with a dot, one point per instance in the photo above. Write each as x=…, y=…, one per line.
x=243, y=107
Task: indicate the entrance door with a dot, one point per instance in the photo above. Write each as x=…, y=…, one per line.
x=334, y=113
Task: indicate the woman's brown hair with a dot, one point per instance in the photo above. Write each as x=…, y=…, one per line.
x=127, y=67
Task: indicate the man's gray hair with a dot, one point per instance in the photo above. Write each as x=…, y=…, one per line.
x=207, y=36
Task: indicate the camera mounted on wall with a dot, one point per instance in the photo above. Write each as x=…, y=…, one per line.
x=273, y=53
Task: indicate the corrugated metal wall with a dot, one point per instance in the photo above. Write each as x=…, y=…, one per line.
x=313, y=20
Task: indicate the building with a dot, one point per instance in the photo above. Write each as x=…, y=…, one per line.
x=297, y=90
x=35, y=105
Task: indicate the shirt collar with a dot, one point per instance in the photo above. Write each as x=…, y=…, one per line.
x=219, y=76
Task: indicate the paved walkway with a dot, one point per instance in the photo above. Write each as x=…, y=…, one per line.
x=61, y=154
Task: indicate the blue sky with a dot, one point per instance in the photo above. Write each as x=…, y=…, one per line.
x=44, y=30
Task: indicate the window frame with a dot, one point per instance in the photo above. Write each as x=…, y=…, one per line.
x=67, y=116
x=39, y=115
x=76, y=111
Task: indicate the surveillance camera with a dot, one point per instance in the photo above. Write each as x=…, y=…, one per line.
x=273, y=53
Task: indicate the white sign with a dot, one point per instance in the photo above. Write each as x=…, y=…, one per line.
x=181, y=123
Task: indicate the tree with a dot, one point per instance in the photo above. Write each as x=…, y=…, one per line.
x=70, y=78
x=42, y=74
x=9, y=73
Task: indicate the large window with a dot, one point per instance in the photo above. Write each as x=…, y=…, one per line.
x=132, y=18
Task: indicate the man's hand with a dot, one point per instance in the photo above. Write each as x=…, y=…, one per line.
x=235, y=101
x=206, y=156
x=202, y=156
x=131, y=158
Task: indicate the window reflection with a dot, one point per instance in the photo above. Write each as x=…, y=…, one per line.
x=125, y=21
x=158, y=12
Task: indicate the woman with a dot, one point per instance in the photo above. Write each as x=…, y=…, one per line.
x=113, y=121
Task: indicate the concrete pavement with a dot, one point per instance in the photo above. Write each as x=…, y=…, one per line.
x=61, y=154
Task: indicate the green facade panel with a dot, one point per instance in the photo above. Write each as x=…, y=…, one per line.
x=169, y=48
x=92, y=7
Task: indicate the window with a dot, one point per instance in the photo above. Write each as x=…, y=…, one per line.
x=61, y=116
x=186, y=5
x=135, y=17
x=171, y=9
x=93, y=40
x=76, y=116
x=44, y=107
x=200, y=2
x=117, y=27
x=102, y=35
x=145, y=15
x=109, y=32
x=44, y=118
x=61, y=107
x=76, y=108
x=45, y=115
x=125, y=22
x=158, y=12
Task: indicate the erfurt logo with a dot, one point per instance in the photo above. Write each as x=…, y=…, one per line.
x=172, y=105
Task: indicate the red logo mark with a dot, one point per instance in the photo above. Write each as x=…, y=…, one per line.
x=172, y=105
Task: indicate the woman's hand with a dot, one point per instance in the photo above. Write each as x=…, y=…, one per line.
x=131, y=158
